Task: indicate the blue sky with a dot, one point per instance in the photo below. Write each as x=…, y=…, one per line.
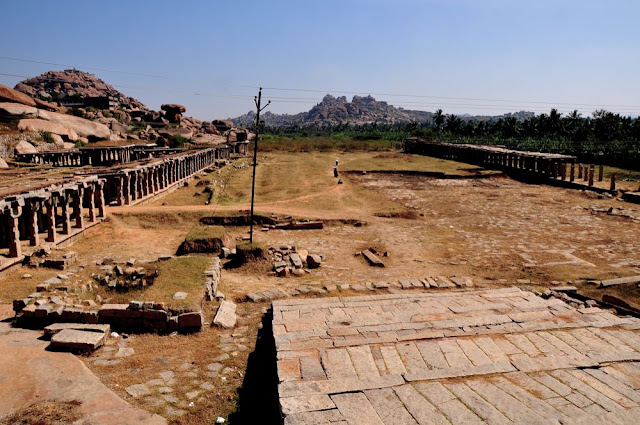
x=482, y=57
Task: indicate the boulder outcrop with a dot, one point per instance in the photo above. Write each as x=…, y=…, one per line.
x=8, y=94
x=83, y=128
x=17, y=110
x=37, y=125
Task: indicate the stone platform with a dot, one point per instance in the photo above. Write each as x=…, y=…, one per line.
x=490, y=356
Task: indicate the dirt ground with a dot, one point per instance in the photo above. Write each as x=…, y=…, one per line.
x=452, y=219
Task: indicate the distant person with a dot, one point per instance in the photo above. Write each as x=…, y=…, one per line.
x=336, y=162
x=335, y=172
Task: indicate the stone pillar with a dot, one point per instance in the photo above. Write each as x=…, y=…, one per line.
x=127, y=185
x=585, y=173
x=51, y=204
x=612, y=186
x=579, y=171
x=77, y=208
x=119, y=191
x=66, y=217
x=600, y=172
x=156, y=182
x=591, y=173
x=572, y=175
x=133, y=176
x=91, y=198
x=14, y=212
x=34, y=231
x=99, y=193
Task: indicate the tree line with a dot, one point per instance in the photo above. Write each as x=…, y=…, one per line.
x=604, y=137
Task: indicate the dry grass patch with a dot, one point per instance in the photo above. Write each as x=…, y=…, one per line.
x=45, y=413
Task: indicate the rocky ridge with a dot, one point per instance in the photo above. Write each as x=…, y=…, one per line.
x=338, y=110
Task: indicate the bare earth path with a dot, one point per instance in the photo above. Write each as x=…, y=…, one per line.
x=30, y=374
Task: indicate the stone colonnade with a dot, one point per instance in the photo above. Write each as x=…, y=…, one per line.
x=532, y=164
x=50, y=214
x=129, y=186
x=62, y=209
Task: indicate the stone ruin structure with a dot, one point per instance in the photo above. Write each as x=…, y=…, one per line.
x=55, y=210
x=531, y=165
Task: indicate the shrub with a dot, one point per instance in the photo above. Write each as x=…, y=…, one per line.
x=47, y=136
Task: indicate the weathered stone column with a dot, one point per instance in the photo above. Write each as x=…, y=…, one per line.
x=591, y=173
x=66, y=217
x=51, y=204
x=612, y=186
x=600, y=172
x=127, y=185
x=14, y=212
x=77, y=207
x=91, y=198
x=100, y=198
x=35, y=205
x=119, y=191
x=156, y=182
x=133, y=176
x=585, y=173
x=572, y=175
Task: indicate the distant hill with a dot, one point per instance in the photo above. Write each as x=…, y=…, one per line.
x=361, y=110
x=338, y=110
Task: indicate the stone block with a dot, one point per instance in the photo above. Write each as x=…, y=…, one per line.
x=226, y=315
x=155, y=315
x=72, y=339
x=57, y=327
x=189, y=321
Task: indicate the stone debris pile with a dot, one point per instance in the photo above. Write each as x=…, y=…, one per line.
x=124, y=278
x=288, y=260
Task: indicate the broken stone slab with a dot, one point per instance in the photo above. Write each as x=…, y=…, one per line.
x=255, y=298
x=372, y=258
x=619, y=281
x=463, y=282
x=226, y=315
x=613, y=300
x=58, y=327
x=566, y=288
x=295, y=260
x=72, y=339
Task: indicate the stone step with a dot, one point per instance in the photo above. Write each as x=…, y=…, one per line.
x=72, y=340
x=57, y=327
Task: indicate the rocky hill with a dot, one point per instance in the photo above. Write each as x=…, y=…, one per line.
x=338, y=110
x=58, y=86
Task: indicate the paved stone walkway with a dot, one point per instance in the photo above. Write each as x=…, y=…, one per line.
x=29, y=374
x=492, y=356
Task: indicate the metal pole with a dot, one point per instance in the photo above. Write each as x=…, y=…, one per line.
x=258, y=101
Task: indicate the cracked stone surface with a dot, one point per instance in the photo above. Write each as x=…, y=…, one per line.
x=487, y=356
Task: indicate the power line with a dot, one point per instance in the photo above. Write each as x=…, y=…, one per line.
x=441, y=97
x=83, y=67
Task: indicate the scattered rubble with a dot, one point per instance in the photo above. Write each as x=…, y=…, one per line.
x=292, y=261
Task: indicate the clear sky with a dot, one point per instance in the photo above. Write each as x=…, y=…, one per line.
x=418, y=54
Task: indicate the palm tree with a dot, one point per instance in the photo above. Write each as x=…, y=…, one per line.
x=438, y=119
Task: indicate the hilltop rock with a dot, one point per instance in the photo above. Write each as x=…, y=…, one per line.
x=3, y=163
x=8, y=94
x=223, y=125
x=58, y=85
x=37, y=125
x=173, y=107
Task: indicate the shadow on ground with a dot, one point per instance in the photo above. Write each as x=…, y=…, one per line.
x=258, y=397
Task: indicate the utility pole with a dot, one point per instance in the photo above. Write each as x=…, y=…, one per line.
x=257, y=99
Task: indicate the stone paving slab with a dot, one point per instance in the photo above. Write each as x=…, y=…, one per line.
x=498, y=356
